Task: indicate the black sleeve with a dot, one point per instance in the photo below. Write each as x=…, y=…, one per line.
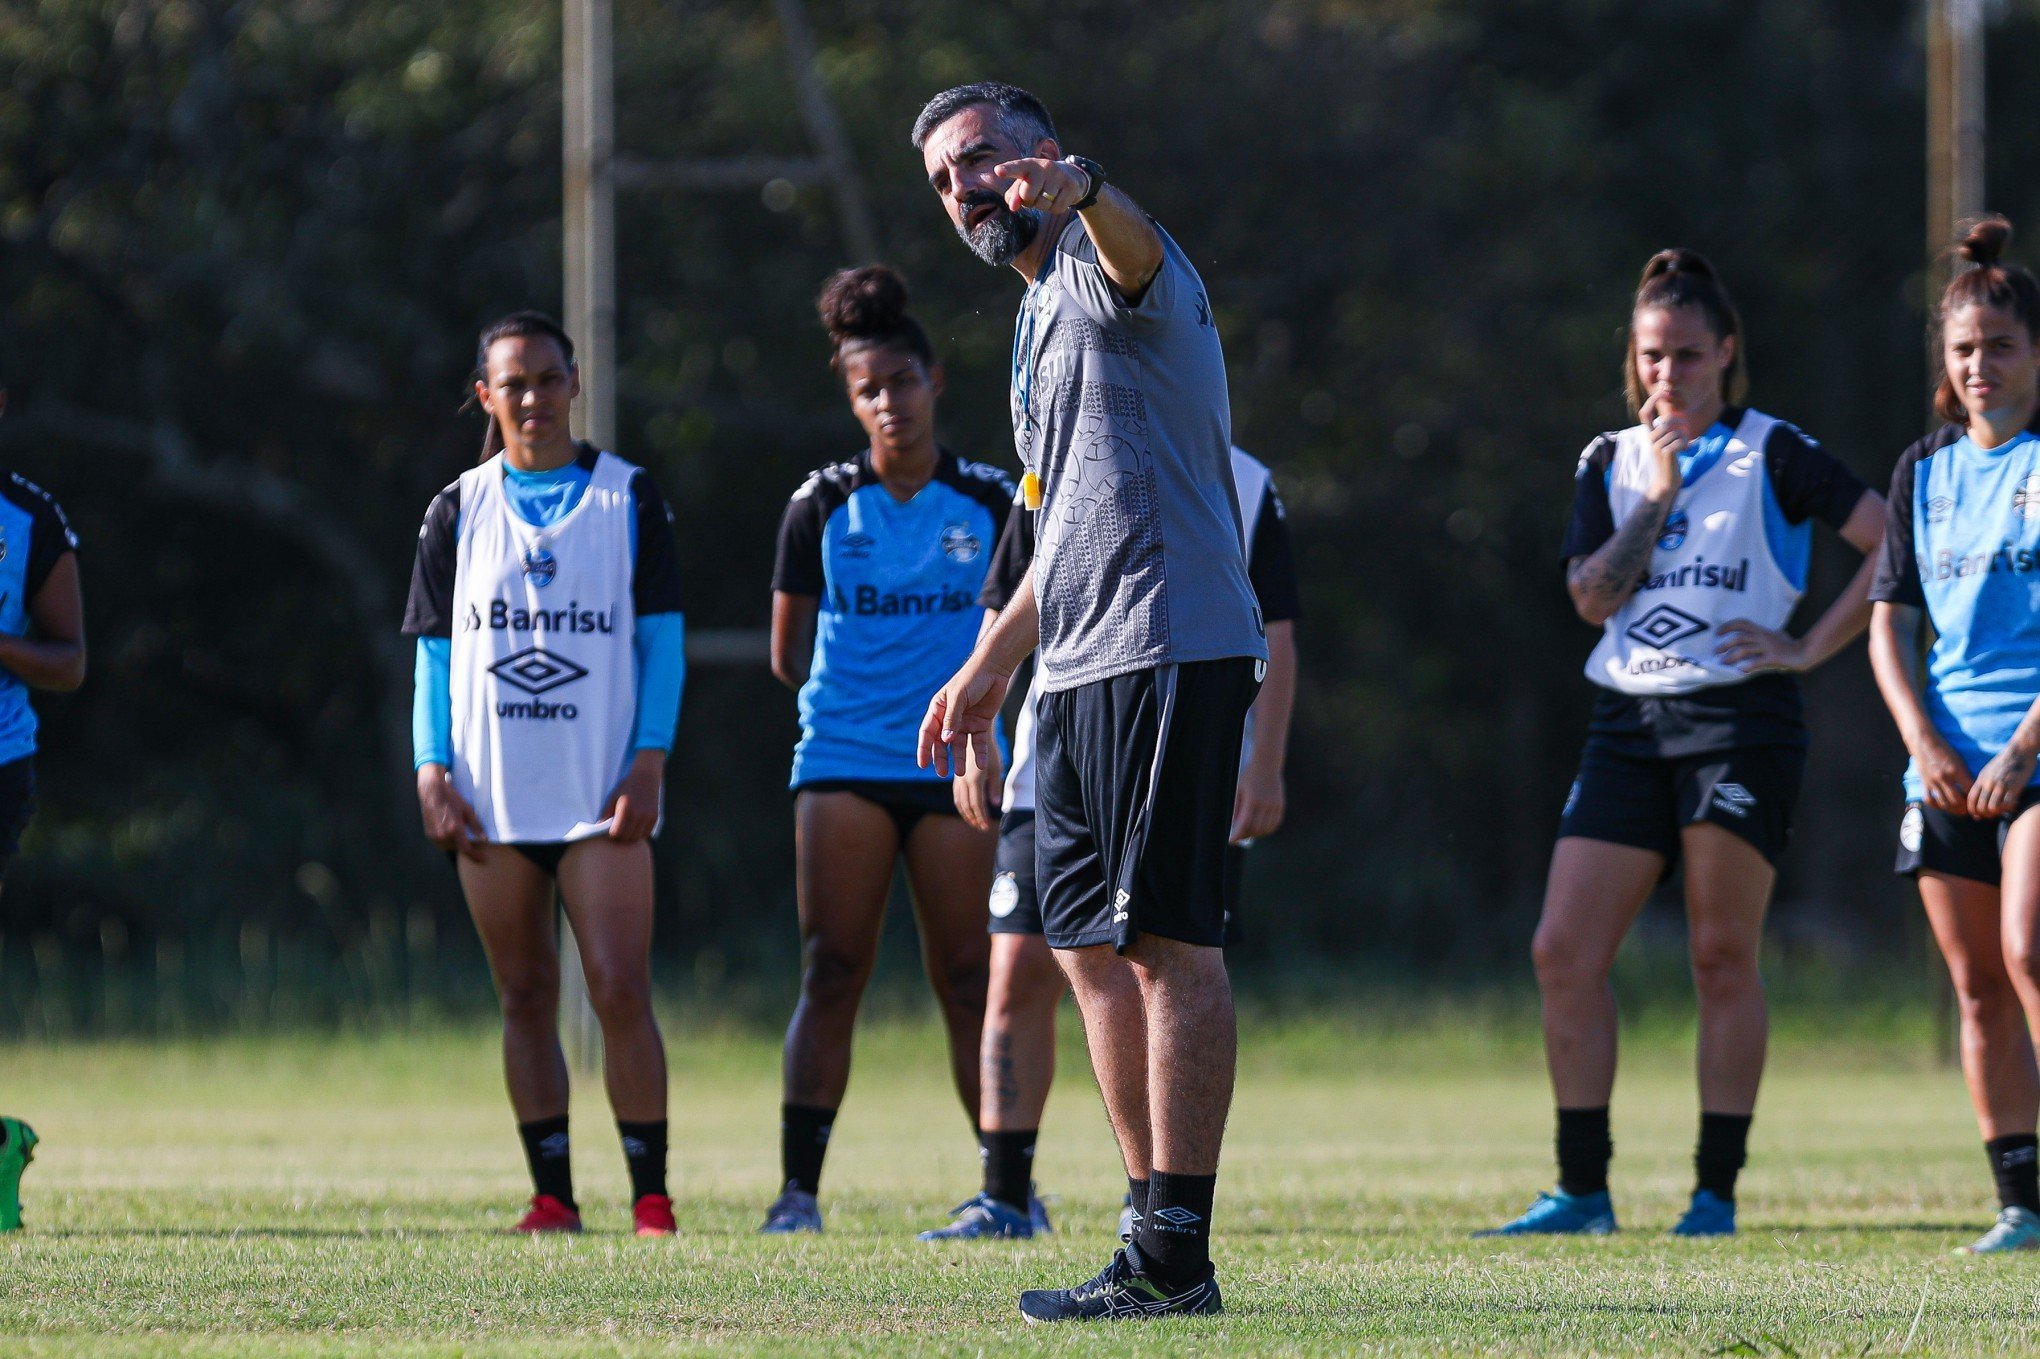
x=1010, y=559
x=1272, y=568
x=50, y=534
x=655, y=576
x=1809, y=481
x=429, y=610
x=1592, y=522
x=797, y=569
x=1898, y=574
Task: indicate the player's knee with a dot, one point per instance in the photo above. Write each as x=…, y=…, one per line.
x=1986, y=998
x=1724, y=968
x=961, y=984
x=620, y=994
x=1561, y=964
x=2022, y=962
x=529, y=998
x=832, y=976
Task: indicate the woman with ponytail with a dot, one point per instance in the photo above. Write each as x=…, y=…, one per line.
x=551, y=655
x=1688, y=548
x=874, y=606
x=1962, y=551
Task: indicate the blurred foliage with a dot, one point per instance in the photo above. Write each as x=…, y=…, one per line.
x=245, y=246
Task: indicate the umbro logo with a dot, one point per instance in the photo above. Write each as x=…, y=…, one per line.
x=858, y=546
x=535, y=671
x=1734, y=799
x=1119, y=905
x=1175, y=1216
x=1664, y=625
x=2026, y=500
x=1939, y=509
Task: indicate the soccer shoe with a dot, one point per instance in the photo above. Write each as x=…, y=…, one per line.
x=984, y=1218
x=1120, y=1290
x=1037, y=1214
x=793, y=1211
x=548, y=1214
x=2015, y=1229
x=1561, y=1214
x=1127, y=1217
x=1708, y=1215
x=653, y=1215
x=15, y=1154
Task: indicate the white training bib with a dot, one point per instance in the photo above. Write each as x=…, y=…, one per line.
x=1713, y=563
x=544, y=676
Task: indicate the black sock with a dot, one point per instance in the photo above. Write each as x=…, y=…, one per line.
x=1724, y=1143
x=1584, y=1150
x=644, y=1151
x=1136, y=1197
x=1009, y=1165
x=1173, y=1233
x=547, y=1153
x=803, y=1141
x=2015, y=1164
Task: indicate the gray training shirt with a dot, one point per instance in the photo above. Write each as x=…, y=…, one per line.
x=1122, y=413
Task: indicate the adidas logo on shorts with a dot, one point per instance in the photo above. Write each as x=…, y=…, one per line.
x=1734, y=799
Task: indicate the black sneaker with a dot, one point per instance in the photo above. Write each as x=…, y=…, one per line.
x=1120, y=1290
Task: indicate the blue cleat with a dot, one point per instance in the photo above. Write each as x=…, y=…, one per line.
x=1037, y=1214
x=2015, y=1229
x=985, y=1218
x=793, y=1211
x=1709, y=1215
x=1561, y=1214
x=1119, y=1291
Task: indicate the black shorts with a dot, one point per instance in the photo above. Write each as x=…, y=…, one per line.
x=906, y=801
x=1134, y=782
x=1959, y=846
x=1626, y=798
x=545, y=853
x=17, y=805
x=1016, y=906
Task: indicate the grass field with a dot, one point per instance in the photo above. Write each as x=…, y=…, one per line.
x=346, y=1196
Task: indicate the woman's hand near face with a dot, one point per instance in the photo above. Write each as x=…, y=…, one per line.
x=1669, y=437
x=450, y=823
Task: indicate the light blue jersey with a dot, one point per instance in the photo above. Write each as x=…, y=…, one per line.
x=1963, y=543
x=897, y=586
x=33, y=535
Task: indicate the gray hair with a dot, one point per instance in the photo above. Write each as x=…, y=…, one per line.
x=1023, y=117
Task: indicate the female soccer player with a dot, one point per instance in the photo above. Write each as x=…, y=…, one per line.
x=1688, y=547
x=551, y=657
x=1961, y=546
x=874, y=604
x=42, y=646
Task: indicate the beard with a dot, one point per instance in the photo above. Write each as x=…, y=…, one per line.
x=999, y=239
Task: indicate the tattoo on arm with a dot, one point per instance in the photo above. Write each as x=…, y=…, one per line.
x=1609, y=576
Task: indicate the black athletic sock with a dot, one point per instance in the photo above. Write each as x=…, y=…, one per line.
x=2015, y=1164
x=1173, y=1235
x=1136, y=1197
x=547, y=1153
x=803, y=1141
x=644, y=1151
x=1009, y=1165
x=1584, y=1150
x=1724, y=1146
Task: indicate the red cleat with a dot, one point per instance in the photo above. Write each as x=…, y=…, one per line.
x=654, y=1215
x=548, y=1214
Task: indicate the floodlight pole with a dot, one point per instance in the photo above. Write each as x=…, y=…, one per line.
x=1954, y=191
x=588, y=230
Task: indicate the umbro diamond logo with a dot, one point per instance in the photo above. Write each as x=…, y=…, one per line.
x=1175, y=1216
x=1119, y=904
x=1734, y=799
x=1939, y=508
x=1664, y=625
x=535, y=671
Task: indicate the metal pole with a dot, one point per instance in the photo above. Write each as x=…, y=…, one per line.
x=1955, y=142
x=588, y=222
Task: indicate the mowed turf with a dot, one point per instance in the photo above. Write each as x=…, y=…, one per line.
x=348, y=1196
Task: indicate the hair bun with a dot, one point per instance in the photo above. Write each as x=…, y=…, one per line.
x=863, y=303
x=1677, y=260
x=1985, y=241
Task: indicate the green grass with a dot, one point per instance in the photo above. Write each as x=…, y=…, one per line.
x=345, y=1196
